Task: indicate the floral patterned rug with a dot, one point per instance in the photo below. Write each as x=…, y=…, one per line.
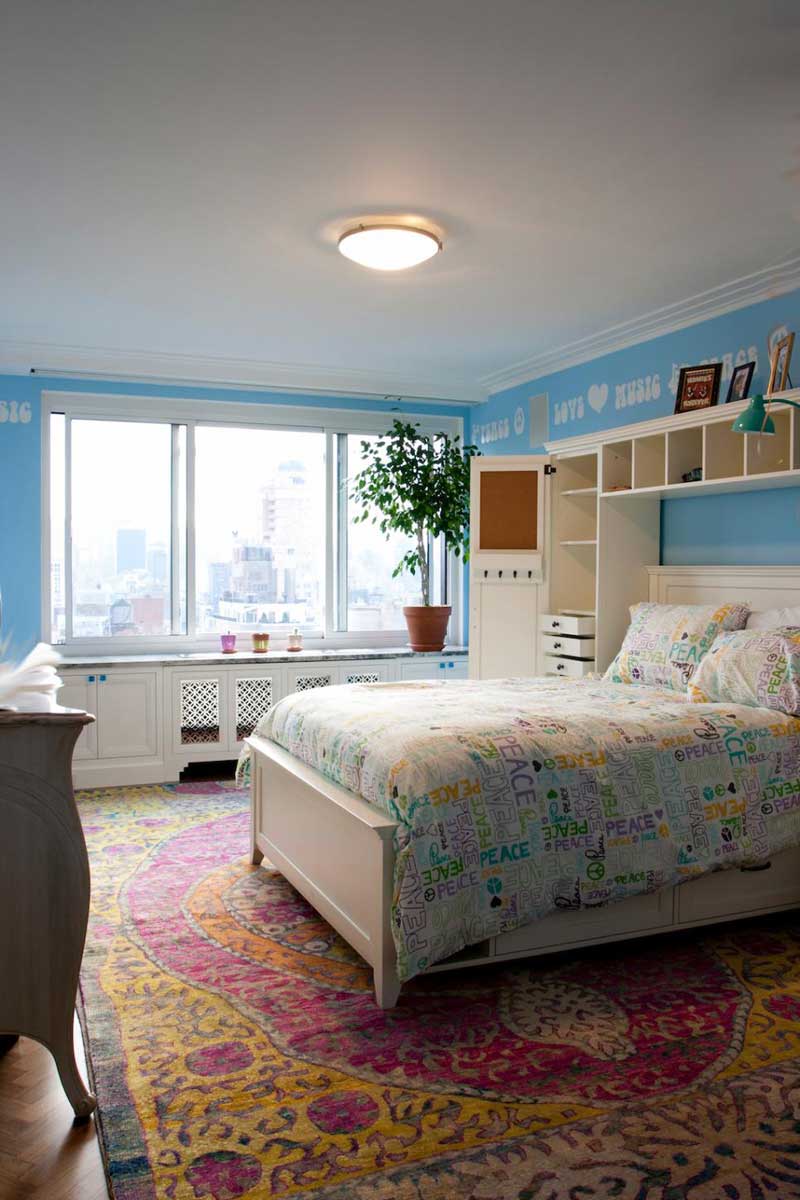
x=237, y=1051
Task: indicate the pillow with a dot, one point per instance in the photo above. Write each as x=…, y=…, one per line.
x=774, y=618
x=665, y=642
x=754, y=666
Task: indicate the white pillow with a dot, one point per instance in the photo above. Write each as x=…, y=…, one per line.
x=774, y=618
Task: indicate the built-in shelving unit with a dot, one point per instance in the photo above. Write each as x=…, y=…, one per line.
x=607, y=492
x=599, y=530
x=656, y=462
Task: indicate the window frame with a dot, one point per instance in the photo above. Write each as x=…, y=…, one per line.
x=331, y=422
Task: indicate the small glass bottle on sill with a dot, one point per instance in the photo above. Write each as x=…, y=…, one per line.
x=295, y=641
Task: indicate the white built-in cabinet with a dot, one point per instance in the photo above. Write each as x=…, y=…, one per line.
x=596, y=507
x=127, y=705
x=153, y=721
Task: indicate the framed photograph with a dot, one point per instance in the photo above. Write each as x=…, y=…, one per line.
x=739, y=387
x=779, y=366
x=698, y=387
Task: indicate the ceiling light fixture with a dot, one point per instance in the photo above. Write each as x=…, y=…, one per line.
x=389, y=247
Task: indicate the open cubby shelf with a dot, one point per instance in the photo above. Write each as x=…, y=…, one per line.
x=655, y=463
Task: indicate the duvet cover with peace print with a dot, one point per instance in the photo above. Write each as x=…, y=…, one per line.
x=518, y=798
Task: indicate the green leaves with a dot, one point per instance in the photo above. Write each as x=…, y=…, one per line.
x=417, y=484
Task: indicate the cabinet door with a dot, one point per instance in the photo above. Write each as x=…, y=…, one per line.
x=80, y=691
x=253, y=694
x=505, y=629
x=304, y=678
x=127, y=714
x=442, y=669
x=199, y=707
x=364, y=671
x=509, y=497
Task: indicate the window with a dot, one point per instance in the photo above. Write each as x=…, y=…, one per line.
x=186, y=520
x=375, y=597
x=260, y=529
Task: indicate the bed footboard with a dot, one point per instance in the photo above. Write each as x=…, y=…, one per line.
x=337, y=850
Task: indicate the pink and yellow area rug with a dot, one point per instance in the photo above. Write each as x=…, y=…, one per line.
x=237, y=1052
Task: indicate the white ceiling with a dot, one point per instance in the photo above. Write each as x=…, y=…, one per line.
x=173, y=173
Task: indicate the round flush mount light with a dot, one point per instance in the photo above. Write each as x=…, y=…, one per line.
x=386, y=247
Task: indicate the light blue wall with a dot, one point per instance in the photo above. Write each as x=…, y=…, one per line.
x=753, y=527
x=20, y=475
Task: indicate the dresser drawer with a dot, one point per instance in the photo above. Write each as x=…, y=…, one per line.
x=735, y=892
x=567, y=624
x=570, y=668
x=574, y=647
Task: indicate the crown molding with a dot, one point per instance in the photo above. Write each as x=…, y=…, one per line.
x=100, y=363
x=739, y=293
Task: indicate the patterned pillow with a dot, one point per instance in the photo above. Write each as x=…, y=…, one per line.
x=754, y=666
x=665, y=642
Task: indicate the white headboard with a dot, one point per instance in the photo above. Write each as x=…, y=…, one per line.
x=760, y=587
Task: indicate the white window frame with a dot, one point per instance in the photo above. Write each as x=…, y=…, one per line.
x=256, y=415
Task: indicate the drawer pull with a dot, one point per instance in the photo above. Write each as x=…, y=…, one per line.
x=757, y=867
x=555, y=624
x=560, y=667
x=557, y=645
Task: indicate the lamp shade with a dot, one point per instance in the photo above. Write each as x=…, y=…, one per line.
x=754, y=419
x=389, y=247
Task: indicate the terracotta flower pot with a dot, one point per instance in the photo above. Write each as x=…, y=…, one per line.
x=427, y=625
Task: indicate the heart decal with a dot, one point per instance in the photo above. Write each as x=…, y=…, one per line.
x=597, y=396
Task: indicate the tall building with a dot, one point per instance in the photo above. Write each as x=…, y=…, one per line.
x=131, y=550
x=287, y=528
x=157, y=561
x=219, y=582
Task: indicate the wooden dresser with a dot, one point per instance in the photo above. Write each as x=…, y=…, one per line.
x=44, y=886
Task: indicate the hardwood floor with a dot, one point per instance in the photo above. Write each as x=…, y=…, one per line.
x=42, y=1154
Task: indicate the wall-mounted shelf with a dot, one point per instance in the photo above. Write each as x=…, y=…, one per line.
x=650, y=458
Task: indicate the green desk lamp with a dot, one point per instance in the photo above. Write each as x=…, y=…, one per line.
x=756, y=418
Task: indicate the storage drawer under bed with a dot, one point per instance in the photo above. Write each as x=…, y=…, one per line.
x=639, y=914
x=738, y=892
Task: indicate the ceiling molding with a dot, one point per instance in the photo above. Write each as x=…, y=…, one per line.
x=739, y=293
x=84, y=362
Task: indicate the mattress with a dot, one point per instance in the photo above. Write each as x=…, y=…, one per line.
x=518, y=798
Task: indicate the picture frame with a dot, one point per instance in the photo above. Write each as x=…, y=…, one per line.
x=779, y=365
x=739, y=387
x=698, y=387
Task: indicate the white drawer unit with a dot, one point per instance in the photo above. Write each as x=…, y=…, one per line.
x=570, y=668
x=571, y=624
x=573, y=647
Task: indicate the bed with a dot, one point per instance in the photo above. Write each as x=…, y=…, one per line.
x=435, y=826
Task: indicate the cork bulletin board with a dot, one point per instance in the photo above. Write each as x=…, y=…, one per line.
x=509, y=509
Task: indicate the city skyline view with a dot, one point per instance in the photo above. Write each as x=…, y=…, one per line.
x=260, y=516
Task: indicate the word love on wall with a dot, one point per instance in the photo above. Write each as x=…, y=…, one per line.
x=14, y=413
x=641, y=390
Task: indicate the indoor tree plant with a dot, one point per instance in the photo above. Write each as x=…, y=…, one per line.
x=417, y=484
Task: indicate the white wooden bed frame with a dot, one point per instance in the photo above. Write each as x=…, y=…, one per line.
x=338, y=850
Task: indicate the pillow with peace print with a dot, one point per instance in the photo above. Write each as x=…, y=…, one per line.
x=666, y=642
x=760, y=667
